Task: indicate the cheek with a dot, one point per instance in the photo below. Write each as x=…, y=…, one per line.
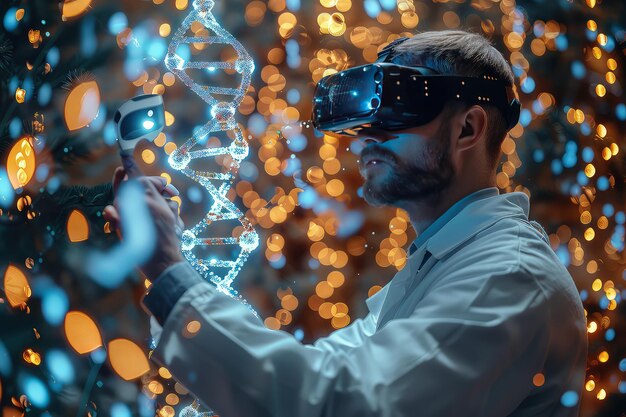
x=433, y=157
x=408, y=150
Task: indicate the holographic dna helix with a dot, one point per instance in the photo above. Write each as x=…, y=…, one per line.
x=222, y=120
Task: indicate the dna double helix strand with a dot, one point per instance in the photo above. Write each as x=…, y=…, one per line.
x=222, y=120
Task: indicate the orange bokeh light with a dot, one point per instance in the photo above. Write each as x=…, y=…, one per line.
x=82, y=105
x=81, y=332
x=73, y=8
x=16, y=286
x=77, y=227
x=127, y=359
x=21, y=163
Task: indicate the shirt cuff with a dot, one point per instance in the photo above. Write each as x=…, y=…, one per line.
x=167, y=289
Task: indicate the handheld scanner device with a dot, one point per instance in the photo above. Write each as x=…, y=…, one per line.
x=141, y=117
x=395, y=97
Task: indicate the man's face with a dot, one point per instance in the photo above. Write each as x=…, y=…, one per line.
x=408, y=165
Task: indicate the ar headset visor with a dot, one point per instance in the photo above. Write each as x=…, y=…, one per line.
x=395, y=97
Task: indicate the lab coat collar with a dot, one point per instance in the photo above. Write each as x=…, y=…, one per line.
x=375, y=302
x=475, y=217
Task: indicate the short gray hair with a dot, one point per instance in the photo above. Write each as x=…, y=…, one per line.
x=457, y=52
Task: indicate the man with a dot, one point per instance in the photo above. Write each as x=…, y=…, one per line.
x=482, y=321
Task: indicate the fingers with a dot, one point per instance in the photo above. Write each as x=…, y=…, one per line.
x=180, y=225
x=112, y=216
x=173, y=204
x=118, y=176
x=160, y=183
x=153, y=185
x=171, y=190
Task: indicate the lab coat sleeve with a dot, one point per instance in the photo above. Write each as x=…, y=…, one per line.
x=175, y=280
x=470, y=348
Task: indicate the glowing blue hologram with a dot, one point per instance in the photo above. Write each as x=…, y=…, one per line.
x=222, y=120
x=109, y=269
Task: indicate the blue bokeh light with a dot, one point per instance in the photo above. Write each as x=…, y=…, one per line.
x=620, y=111
x=35, y=390
x=53, y=56
x=44, y=95
x=372, y=8
x=525, y=117
x=569, y=159
x=603, y=183
x=15, y=128
x=54, y=305
x=578, y=70
x=194, y=194
x=88, y=38
x=10, y=22
x=297, y=143
x=307, y=198
x=298, y=334
x=108, y=133
x=99, y=355
x=248, y=171
x=119, y=409
x=587, y=154
x=60, y=366
x=279, y=262
x=603, y=303
x=5, y=361
x=585, y=129
x=293, y=96
x=609, y=335
x=563, y=254
x=157, y=49
x=528, y=85
x=117, y=23
x=294, y=5
x=569, y=399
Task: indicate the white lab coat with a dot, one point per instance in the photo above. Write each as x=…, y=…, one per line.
x=490, y=307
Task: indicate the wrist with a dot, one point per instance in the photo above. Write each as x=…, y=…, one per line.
x=155, y=268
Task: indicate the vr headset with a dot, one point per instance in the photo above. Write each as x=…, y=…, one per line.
x=391, y=97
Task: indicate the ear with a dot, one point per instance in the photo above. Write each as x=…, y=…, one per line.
x=473, y=129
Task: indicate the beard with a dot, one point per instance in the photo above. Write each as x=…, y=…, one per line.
x=407, y=180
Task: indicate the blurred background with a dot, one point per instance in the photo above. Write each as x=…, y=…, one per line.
x=72, y=345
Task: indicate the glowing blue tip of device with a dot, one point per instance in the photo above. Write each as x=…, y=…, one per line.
x=148, y=124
